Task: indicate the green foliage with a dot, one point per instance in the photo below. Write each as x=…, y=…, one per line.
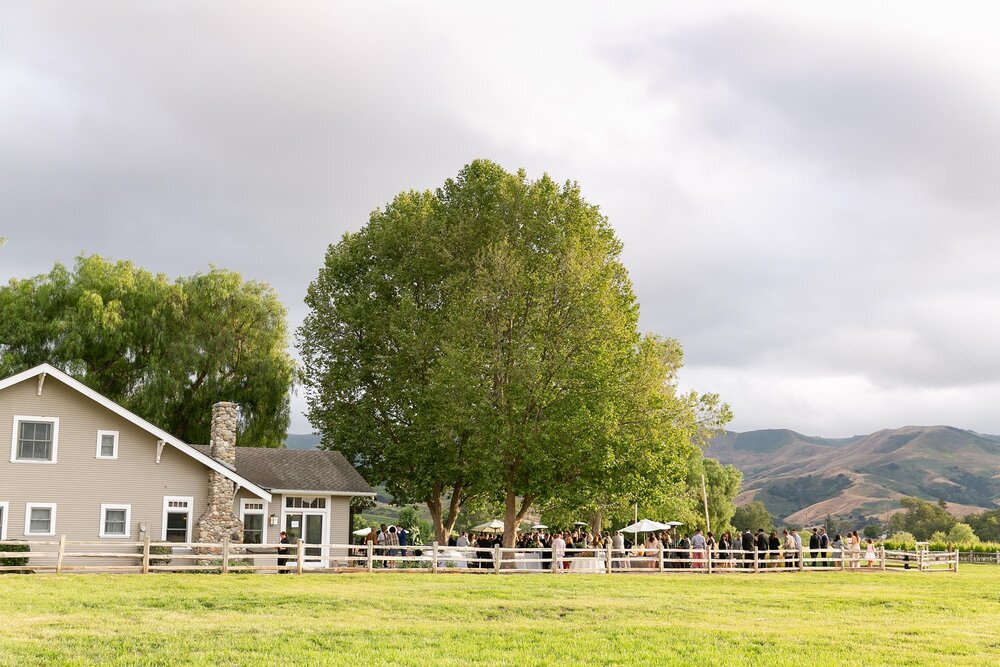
x=921, y=518
x=753, y=516
x=482, y=340
x=986, y=525
x=901, y=540
x=872, y=530
x=165, y=350
x=722, y=483
x=14, y=561
x=159, y=550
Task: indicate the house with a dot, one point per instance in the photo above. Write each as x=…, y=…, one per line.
x=82, y=466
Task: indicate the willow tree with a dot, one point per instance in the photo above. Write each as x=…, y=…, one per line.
x=165, y=349
x=483, y=339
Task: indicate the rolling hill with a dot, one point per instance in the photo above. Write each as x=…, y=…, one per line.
x=802, y=479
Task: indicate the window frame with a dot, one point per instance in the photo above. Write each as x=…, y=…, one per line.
x=104, y=519
x=168, y=510
x=14, y=437
x=4, y=520
x=262, y=512
x=27, y=519
x=100, y=438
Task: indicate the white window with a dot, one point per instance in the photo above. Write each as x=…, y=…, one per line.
x=116, y=520
x=40, y=519
x=34, y=440
x=107, y=444
x=306, y=503
x=3, y=521
x=177, y=518
x=252, y=514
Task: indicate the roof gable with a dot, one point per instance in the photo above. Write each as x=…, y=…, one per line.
x=160, y=434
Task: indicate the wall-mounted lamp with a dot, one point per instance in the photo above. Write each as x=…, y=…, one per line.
x=273, y=520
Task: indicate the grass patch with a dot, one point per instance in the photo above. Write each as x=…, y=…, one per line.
x=456, y=619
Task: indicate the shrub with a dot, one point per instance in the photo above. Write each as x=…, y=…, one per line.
x=159, y=550
x=14, y=561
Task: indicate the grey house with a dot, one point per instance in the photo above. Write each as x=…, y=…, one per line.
x=82, y=466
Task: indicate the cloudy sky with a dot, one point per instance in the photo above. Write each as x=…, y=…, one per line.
x=808, y=201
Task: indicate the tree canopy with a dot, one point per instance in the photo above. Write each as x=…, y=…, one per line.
x=752, y=516
x=922, y=518
x=166, y=350
x=483, y=340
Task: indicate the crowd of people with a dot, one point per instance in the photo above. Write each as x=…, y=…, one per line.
x=679, y=549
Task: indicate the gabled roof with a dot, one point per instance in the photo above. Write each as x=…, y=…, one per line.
x=78, y=386
x=298, y=470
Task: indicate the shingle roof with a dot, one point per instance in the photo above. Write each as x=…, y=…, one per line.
x=298, y=470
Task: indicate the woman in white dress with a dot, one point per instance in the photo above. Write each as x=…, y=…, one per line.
x=870, y=557
x=855, y=543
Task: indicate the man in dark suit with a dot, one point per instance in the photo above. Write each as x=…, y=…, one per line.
x=747, y=543
x=824, y=543
x=283, y=551
x=813, y=546
x=761, y=545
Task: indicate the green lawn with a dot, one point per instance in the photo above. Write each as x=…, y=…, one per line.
x=417, y=619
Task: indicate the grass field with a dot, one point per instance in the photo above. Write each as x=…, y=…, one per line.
x=795, y=619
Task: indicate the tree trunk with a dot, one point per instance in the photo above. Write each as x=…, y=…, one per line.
x=596, y=522
x=444, y=523
x=512, y=515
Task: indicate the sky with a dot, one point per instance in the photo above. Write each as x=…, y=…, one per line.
x=807, y=194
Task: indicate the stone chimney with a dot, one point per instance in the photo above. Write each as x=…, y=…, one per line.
x=223, y=438
x=219, y=520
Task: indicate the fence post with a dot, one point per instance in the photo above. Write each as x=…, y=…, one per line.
x=300, y=556
x=371, y=557
x=607, y=555
x=434, y=557
x=756, y=561
x=496, y=559
x=225, y=555
x=62, y=552
x=956, y=560
x=145, y=554
x=708, y=557
x=660, y=557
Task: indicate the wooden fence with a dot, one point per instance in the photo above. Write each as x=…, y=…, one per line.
x=61, y=555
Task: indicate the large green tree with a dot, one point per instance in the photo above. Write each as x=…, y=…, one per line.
x=753, y=516
x=167, y=350
x=482, y=340
x=922, y=518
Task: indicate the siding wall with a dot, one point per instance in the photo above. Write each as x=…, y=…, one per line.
x=79, y=483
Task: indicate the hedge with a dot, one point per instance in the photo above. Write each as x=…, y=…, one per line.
x=14, y=561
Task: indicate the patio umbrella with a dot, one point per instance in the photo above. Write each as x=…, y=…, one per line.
x=539, y=526
x=494, y=526
x=580, y=523
x=645, y=526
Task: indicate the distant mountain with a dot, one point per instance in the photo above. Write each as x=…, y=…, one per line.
x=804, y=478
x=302, y=441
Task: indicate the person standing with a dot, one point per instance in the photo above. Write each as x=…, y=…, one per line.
x=558, y=551
x=824, y=544
x=617, y=550
x=870, y=556
x=747, y=542
x=463, y=540
x=789, y=548
x=283, y=551
x=813, y=547
x=761, y=547
x=698, y=545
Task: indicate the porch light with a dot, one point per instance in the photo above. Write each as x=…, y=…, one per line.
x=273, y=520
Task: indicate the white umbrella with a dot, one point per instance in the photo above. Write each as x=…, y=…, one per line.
x=494, y=526
x=539, y=526
x=645, y=526
x=671, y=524
x=580, y=523
x=362, y=531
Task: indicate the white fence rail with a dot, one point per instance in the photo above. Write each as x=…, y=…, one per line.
x=61, y=555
